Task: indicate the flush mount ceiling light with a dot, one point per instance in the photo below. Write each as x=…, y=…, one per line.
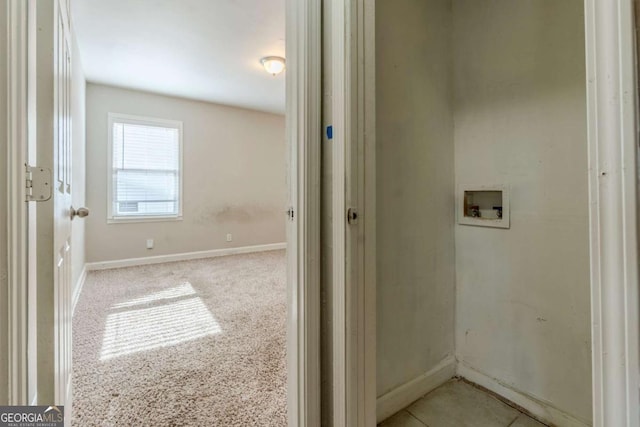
x=273, y=64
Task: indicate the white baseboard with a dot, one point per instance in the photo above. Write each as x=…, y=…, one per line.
x=543, y=410
x=132, y=262
x=401, y=397
x=78, y=289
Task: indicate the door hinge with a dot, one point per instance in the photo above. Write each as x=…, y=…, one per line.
x=290, y=214
x=352, y=216
x=37, y=183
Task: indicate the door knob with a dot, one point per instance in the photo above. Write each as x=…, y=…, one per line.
x=81, y=212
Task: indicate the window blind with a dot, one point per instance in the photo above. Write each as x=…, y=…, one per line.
x=146, y=170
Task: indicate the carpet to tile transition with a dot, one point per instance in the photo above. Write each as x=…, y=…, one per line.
x=193, y=343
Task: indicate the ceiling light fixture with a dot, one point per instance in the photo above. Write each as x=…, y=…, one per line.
x=273, y=64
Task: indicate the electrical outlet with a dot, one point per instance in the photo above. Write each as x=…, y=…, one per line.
x=149, y=243
x=229, y=237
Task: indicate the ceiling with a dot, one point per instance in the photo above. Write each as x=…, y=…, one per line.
x=207, y=50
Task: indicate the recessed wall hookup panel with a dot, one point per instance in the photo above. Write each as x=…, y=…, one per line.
x=483, y=205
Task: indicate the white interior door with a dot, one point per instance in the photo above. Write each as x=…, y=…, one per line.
x=353, y=215
x=303, y=229
x=62, y=203
x=53, y=119
x=292, y=279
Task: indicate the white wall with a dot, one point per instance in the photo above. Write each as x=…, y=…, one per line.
x=3, y=208
x=414, y=151
x=523, y=294
x=78, y=177
x=234, y=177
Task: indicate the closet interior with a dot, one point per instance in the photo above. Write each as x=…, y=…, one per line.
x=483, y=294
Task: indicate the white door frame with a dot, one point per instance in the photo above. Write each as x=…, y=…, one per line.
x=303, y=51
x=303, y=27
x=613, y=173
x=353, y=186
x=613, y=205
x=17, y=142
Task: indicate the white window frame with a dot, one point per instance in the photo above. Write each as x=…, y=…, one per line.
x=145, y=121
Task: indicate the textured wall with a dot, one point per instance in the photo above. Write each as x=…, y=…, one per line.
x=523, y=311
x=414, y=151
x=234, y=177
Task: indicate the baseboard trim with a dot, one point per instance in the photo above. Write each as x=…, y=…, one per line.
x=78, y=289
x=132, y=262
x=541, y=409
x=401, y=397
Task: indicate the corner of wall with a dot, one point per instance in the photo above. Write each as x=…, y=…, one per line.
x=402, y=396
x=540, y=409
x=520, y=119
x=414, y=146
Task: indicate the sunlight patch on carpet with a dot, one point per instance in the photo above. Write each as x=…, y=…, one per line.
x=166, y=325
x=183, y=290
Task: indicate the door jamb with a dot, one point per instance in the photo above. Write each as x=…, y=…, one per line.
x=367, y=100
x=17, y=141
x=353, y=185
x=613, y=175
x=303, y=48
x=613, y=203
x=613, y=184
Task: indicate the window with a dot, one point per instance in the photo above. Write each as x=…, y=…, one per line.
x=145, y=168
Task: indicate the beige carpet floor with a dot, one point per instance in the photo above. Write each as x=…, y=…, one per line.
x=194, y=343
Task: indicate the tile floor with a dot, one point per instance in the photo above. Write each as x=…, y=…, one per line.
x=458, y=404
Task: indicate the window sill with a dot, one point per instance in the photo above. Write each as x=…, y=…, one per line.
x=129, y=219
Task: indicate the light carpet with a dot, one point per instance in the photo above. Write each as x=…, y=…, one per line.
x=193, y=343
